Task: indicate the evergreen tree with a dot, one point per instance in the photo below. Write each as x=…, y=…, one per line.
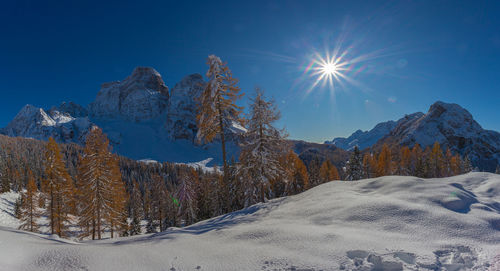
x=57, y=187
x=355, y=166
x=100, y=184
x=29, y=213
x=497, y=171
x=466, y=165
x=313, y=170
x=218, y=109
x=261, y=151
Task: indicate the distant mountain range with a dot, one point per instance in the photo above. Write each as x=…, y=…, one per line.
x=144, y=119
x=141, y=116
x=449, y=124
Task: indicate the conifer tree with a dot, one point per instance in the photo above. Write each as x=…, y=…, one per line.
x=466, y=165
x=436, y=161
x=497, y=171
x=186, y=196
x=218, y=109
x=355, y=166
x=136, y=211
x=261, y=151
x=455, y=165
x=369, y=165
x=417, y=161
x=328, y=172
x=100, y=185
x=296, y=177
x=404, y=164
x=447, y=160
x=158, y=202
x=57, y=187
x=29, y=213
x=384, y=162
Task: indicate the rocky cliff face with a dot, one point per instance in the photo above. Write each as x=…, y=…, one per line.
x=142, y=96
x=182, y=107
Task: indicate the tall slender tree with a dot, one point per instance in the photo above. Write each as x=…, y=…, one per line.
x=100, y=185
x=355, y=166
x=384, y=166
x=29, y=206
x=261, y=151
x=57, y=187
x=218, y=109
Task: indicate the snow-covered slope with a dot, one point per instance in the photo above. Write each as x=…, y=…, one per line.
x=365, y=139
x=388, y=223
x=453, y=127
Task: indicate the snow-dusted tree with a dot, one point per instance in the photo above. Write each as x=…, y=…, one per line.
x=497, y=171
x=100, y=185
x=369, y=165
x=261, y=151
x=218, y=109
x=355, y=166
x=29, y=212
x=57, y=187
x=466, y=165
x=186, y=195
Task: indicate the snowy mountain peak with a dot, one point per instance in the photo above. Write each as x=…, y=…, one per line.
x=452, y=127
x=34, y=122
x=142, y=96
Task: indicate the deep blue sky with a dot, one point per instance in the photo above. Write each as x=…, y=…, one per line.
x=422, y=51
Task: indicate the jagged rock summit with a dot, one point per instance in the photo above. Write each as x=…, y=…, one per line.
x=142, y=96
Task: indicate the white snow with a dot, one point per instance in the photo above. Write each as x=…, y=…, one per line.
x=388, y=223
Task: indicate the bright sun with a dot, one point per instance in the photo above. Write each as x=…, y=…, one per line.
x=329, y=68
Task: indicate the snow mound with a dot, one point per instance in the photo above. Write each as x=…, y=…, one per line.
x=388, y=223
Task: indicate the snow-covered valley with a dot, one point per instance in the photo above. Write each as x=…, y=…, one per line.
x=387, y=223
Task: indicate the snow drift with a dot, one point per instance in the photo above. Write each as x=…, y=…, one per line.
x=387, y=223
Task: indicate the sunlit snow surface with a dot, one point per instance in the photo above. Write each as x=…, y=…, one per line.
x=389, y=223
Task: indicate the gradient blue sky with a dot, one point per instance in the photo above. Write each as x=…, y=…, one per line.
x=421, y=51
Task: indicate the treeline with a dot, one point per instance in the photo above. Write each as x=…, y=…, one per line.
x=96, y=191
x=432, y=162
